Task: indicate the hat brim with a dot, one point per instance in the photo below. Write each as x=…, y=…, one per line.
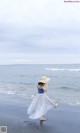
x=46, y=80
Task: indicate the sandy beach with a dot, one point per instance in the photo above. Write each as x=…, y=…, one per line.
x=13, y=114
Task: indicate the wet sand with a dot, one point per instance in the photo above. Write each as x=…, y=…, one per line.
x=13, y=114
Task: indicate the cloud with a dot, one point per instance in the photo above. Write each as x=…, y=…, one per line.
x=39, y=30
x=39, y=13
x=41, y=40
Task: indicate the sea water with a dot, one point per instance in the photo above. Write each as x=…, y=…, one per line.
x=64, y=85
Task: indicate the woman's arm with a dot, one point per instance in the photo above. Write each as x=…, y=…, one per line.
x=45, y=88
x=39, y=86
x=53, y=103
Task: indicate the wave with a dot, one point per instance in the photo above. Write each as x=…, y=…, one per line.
x=62, y=69
x=65, y=88
x=29, y=96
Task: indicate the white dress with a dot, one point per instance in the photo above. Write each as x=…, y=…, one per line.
x=39, y=106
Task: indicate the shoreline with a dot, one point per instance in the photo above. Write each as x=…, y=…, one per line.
x=13, y=114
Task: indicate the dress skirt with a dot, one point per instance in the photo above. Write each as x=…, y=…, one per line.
x=39, y=106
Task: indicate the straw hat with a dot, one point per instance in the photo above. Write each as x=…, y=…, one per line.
x=44, y=79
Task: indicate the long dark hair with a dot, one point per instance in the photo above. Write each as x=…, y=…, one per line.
x=41, y=84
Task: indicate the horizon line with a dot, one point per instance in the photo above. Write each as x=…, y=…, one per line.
x=42, y=64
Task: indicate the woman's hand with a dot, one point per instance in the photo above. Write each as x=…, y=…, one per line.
x=56, y=105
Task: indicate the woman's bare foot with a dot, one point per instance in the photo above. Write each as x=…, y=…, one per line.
x=56, y=105
x=42, y=119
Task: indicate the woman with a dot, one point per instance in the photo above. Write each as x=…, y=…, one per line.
x=41, y=103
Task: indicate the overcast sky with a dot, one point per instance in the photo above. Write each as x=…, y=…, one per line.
x=39, y=31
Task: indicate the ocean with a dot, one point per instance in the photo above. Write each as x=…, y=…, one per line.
x=64, y=85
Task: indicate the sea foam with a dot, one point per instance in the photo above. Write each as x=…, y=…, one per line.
x=62, y=69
